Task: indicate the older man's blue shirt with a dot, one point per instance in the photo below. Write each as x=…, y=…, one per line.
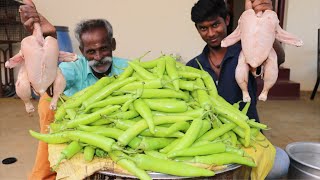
x=79, y=75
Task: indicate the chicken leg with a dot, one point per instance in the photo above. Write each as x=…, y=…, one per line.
x=23, y=89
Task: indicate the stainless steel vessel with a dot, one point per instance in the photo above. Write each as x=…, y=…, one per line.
x=304, y=160
x=231, y=171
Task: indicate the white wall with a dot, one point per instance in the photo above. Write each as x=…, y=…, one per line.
x=139, y=25
x=302, y=19
x=165, y=26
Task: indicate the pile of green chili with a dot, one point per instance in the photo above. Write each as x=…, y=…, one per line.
x=158, y=115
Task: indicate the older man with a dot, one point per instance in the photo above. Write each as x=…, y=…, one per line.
x=97, y=43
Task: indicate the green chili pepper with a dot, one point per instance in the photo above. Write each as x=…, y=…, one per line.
x=159, y=131
x=60, y=113
x=109, y=101
x=111, y=133
x=223, y=158
x=145, y=112
x=88, y=153
x=126, y=73
x=169, y=167
x=68, y=152
x=190, y=136
x=203, y=96
x=188, y=85
x=105, y=143
x=55, y=138
x=145, y=74
x=191, y=113
x=147, y=84
x=152, y=143
x=90, y=118
x=172, y=71
x=104, y=81
x=121, y=159
x=178, y=126
x=209, y=84
x=211, y=148
x=215, y=133
x=161, y=66
x=164, y=93
x=167, y=105
x=189, y=75
x=107, y=90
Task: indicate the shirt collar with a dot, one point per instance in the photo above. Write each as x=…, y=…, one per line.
x=231, y=52
x=89, y=70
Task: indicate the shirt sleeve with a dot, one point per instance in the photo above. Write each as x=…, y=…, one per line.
x=193, y=63
x=118, y=66
x=69, y=73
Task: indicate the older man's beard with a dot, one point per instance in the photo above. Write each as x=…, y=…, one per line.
x=101, y=66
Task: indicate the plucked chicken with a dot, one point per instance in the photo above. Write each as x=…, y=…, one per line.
x=39, y=68
x=257, y=32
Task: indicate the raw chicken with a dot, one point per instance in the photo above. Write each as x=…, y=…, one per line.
x=39, y=58
x=257, y=33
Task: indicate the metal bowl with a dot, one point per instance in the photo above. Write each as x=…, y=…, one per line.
x=154, y=175
x=304, y=160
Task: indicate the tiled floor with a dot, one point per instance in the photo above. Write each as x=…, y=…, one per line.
x=15, y=139
x=290, y=121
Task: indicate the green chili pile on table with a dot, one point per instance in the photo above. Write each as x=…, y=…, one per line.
x=158, y=115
